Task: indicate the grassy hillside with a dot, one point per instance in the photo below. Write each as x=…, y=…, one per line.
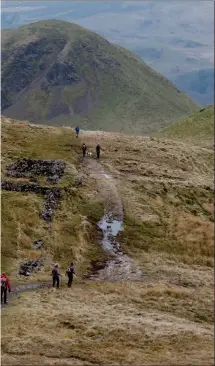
x=74, y=226
x=167, y=192
x=58, y=73
x=197, y=129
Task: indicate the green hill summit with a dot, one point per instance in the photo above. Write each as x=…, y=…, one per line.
x=58, y=73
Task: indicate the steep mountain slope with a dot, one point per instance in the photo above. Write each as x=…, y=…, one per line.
x=197, y=129
x=59, y=73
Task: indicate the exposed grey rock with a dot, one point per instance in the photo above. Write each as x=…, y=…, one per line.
x=26, y=269
x=38, y=244
x=29, y=168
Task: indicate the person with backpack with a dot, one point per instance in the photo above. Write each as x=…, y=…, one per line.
x=5, y=286
x=70, y=272
x=84, y=149
x=98, y=148
x=77, y=130
x=56, y=276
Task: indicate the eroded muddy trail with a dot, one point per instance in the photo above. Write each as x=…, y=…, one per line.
x=120, y=266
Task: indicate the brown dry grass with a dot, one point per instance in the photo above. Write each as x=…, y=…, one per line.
x=73, y=234
x=168, y=205
x=167, y=192
x=127, y=323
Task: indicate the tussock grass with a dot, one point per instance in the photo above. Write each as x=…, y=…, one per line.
x=166, y=189
x=90, y=329
x=73, y=234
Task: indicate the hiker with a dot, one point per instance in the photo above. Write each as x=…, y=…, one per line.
x=70, y=271
x=5, y=285
x=98, y=148
x=84, y=149
x=56, y=276
x=77, y=131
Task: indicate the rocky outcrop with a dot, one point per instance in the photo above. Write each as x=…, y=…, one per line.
x=24, y=187
x=38, y=244
x=52, y=198
x=29, y=168
x=26, y=269
x=52, y=195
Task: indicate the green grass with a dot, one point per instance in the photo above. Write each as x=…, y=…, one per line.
x=74, y=231
x=197, y=129
x=111, y=87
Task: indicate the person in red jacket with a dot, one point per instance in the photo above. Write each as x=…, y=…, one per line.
x=5, y=285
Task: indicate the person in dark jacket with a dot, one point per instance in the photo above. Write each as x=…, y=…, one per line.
x=5, y=286
x=98, y=149
x=70, y=272
x=77, y=130
x=56, y=276
x=84, y=149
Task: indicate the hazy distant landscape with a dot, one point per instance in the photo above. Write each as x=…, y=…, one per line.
x=178, y=49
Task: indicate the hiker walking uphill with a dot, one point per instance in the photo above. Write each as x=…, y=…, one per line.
x=84, y=150
x=5, y=286
x=70, y=272
x=77, y=130
x=56, y=276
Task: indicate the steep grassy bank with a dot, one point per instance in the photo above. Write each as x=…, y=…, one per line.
x=73, y=233
x=197, y=129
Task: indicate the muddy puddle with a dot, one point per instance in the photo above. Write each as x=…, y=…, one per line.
x=120, y=266
x=111, y=229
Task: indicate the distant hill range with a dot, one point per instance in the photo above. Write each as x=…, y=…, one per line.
x=197, y=129
x=58, y=73
x=199, y=84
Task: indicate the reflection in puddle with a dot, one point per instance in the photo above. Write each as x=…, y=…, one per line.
x=110, y=229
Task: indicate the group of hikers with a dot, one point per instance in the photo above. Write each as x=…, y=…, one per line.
x=6, y=286
x=5, y=283
x=84, y=147
x=56, y=275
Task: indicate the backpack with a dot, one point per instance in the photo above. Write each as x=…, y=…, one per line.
x=3, y=283
x=55, y=272
x=70, y=270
